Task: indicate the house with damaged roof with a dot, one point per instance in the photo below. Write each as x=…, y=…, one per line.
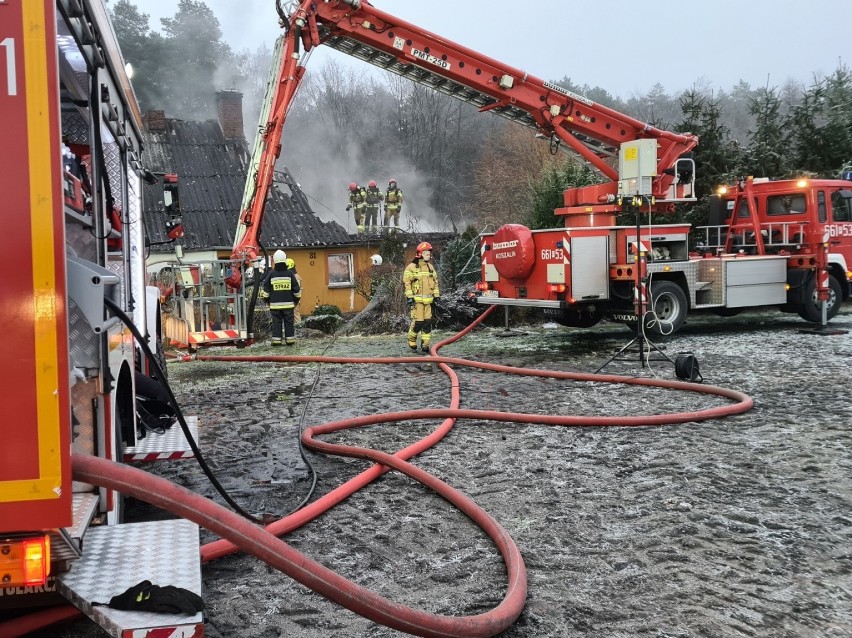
x=211, y=160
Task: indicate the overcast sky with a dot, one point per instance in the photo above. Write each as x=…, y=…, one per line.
x=623, y=46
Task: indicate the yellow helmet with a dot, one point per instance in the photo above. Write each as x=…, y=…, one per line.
x=290, y=263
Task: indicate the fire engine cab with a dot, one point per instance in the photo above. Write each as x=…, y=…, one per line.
x=75, y=243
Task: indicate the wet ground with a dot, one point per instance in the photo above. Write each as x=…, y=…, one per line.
x=740, y=526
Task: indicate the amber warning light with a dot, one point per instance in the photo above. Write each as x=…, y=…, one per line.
x=24, y=561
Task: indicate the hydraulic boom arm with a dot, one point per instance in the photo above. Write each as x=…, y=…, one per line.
x=593, y=131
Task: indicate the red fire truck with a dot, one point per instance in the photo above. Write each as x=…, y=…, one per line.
x=75, y=244
x=786, y=244
x=765, y=255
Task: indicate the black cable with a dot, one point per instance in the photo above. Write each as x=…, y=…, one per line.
x=310, y=465
x=143, y=343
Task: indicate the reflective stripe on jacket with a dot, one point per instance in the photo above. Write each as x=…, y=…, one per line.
x=374, y=197
x=421, y=281
x=358, y=199
x=281, y=288
x=393, y=199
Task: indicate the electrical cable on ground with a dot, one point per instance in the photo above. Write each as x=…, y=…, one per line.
x=237, y=533
x=143, y=343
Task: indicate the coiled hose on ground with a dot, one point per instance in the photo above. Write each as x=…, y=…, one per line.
x=239, y=534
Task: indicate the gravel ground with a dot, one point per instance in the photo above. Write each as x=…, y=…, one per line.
x=740, y=526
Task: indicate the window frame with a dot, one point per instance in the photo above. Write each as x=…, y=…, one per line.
x=349, y=261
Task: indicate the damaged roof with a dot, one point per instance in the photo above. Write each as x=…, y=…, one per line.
x=211, y=173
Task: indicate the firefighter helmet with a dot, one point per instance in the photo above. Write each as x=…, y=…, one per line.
x=291, y=265
x=279, y=257
x=376, y=259
x=392, y=180
x=353, y=186
x=372, y=183
x=421, y=247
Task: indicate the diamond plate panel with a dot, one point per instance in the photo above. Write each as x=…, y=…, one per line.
x=75, y=127
x=82, y=240
x=118, y=557
x=83, y=396
x=172, y=444
x=65, y=544
x=85, y=344
x=84, y=510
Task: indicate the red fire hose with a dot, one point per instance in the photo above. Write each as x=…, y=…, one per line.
x=238, y=533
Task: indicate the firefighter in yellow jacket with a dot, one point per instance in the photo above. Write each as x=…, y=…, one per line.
x=421, y=290
x=358, y=201
x=393, y=203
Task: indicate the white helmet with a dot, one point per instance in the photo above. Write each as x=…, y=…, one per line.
x=376, y=259
x=279, y=257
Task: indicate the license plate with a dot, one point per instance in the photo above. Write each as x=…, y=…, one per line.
x=490, y=293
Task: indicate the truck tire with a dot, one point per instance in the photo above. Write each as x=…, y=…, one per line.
x=582, y=317
x=669, y=307
x=811, y=310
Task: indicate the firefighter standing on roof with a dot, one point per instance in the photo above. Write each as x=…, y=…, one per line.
x=280, y=289
x=374, y=201
x=358, y=201
x=393, y=203
x=421, y=290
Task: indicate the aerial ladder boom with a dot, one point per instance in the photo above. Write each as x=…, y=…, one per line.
x=596, y=133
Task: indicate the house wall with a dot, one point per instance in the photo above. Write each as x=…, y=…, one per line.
x=317, y=288
x=317, y=272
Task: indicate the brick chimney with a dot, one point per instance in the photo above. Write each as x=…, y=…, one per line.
x=229, y=108
x=155, y=121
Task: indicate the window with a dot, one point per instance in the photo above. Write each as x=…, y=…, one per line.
x=841, y=206
x=793, y=204
x=341, y=274
x=742, y=209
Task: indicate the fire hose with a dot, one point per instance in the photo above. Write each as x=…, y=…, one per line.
x=237, y=533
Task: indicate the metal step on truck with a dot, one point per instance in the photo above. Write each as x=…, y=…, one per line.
x=71, y=383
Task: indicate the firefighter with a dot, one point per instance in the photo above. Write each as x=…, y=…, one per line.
x=393, y=203
x=291, y=266
x=357, y=201
x=374, y=201
x=280, y=289
x=421, y=289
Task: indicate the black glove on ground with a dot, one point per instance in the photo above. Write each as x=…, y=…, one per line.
x=164, y=600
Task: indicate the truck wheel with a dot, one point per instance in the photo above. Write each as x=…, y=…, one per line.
x=727, y=312
x=811, y=310
x=579, y=317
x=670, y=306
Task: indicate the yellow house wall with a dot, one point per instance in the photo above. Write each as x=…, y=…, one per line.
x=312, y=266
